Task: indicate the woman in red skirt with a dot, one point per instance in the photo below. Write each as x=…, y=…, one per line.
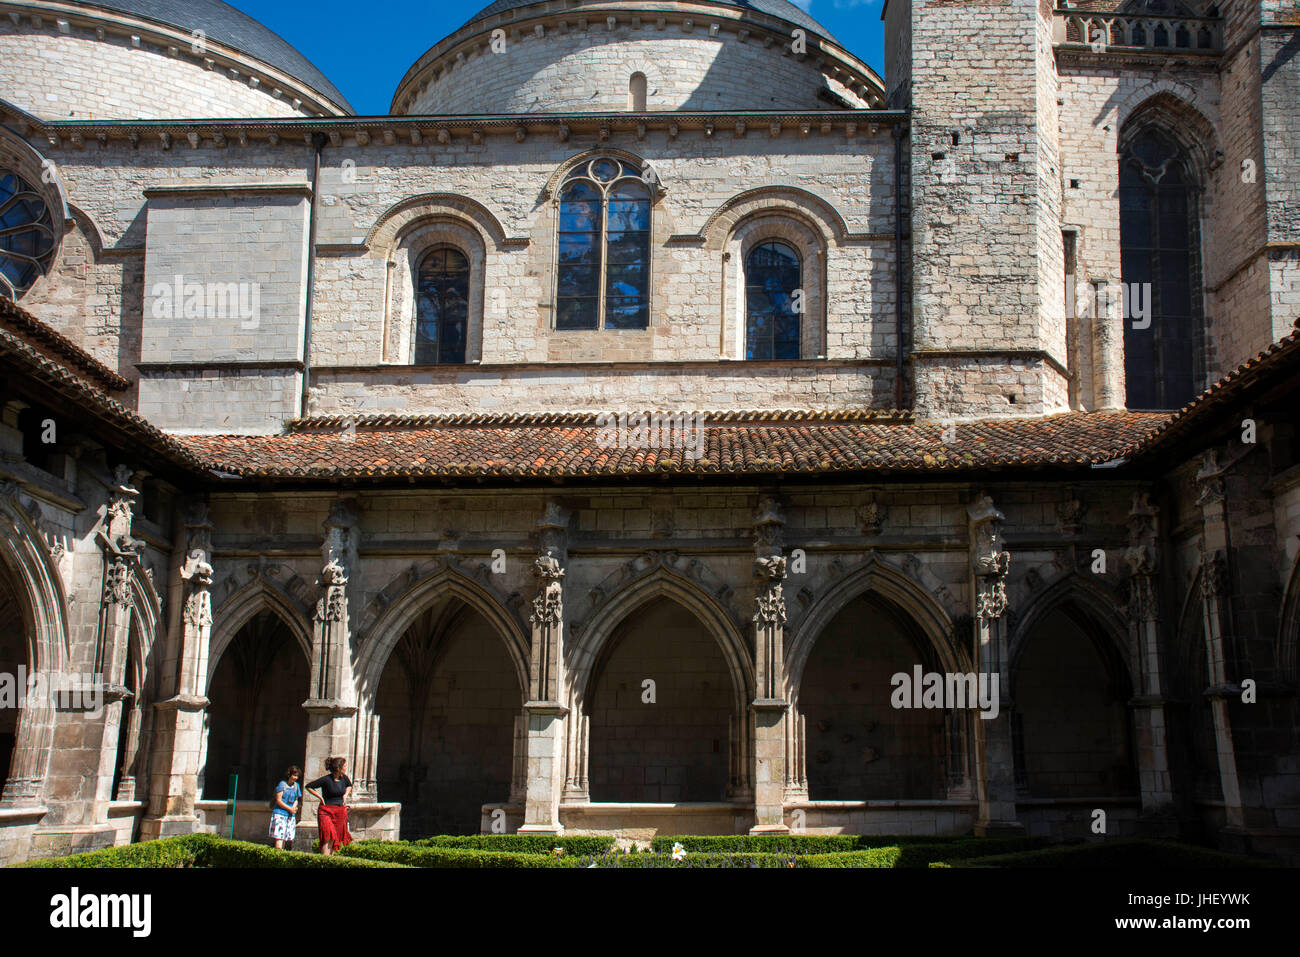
x=333, y=792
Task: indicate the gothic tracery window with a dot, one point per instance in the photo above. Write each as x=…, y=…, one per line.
x=1160, y=244
x=603, y=275
x=26, y=235
x=442, y=307
x=773, y=274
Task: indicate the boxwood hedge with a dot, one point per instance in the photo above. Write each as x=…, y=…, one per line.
x=196, y=850
x=1118, y=855
x=521, y=843
x=794, y=843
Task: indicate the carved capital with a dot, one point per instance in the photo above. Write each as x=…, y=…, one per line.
x=1209, y=480
x=1143, y=553
x=117, y=583
x=1214, y=574
x=548, y=606
x=871, y=516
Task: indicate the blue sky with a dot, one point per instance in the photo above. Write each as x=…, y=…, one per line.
x=365, y=50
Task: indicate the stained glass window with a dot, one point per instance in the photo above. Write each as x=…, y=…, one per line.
x=604, y=248
x=1159, y=249
x=772, y=276
x=442, y=310
x=26, y=235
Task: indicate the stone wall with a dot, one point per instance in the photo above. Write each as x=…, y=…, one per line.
x=70, y=74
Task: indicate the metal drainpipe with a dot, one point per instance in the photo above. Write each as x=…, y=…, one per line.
x=318, y=141
x=898, y=261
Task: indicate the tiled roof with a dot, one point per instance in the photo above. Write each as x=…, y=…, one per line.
x=749, y=444
x=35, y=365
x=1280, y=362
x=57, y=346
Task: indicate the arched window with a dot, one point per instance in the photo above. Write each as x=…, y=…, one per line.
x=603, y=274
x=772, y=277
x=636, y=93
x=442, y=307
x=26, y=235
x=1160, y=268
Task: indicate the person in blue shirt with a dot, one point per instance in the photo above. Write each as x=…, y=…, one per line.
x=284, y=809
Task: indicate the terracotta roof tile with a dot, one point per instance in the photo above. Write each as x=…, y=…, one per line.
x=733, y=444
x=56, y=346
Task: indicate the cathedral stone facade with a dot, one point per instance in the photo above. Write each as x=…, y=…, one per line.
x=604, y=439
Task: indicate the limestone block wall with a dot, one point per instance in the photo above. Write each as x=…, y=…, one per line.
x=986, y=276
x=586, y=64
x=225, y=282
x=219, y=211
x=59, y=71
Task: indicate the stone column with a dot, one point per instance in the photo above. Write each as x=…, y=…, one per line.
x=121, y=555
x=331, y=704
x=769, y=706
x=178, y=726
x=994, y=753
x=1215, y=596
x=1148, y=704
x=545, y=710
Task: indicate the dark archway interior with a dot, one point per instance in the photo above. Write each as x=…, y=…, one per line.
x=256, y=724
x=13, y=655
x=1193, y=749
x=675, y=748
x=447, y=703
x=128, y=729
x=859, y=747
x=1072, y=725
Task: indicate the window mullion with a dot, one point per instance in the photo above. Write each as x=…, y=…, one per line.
x=604, y=257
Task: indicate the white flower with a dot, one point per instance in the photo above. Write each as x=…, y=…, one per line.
x=679, y=852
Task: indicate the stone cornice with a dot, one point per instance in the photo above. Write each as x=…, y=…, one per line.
x=223, y=189
x=443, y=132
x=708, y=19
x=170, y=41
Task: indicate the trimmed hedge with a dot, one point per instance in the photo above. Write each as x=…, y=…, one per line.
x=520, y=843
x=794, y=843
x=922, y=855
x=410, y=855
x=169, y=852
x=690, y=860
x=243, y=854
x=197, y=850
x=1116, y=855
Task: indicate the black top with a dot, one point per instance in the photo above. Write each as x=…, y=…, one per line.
x=332, y=790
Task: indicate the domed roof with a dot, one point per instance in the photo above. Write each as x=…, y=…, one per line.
x=228, y=26
x=776, y=8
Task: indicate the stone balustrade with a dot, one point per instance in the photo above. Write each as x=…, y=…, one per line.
x=1113, y=32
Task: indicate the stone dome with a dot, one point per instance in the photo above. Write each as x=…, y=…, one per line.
x=777, y=8
x=157, y=59
x=568, y=56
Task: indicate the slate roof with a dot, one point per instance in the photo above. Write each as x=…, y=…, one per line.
x=776, y=8
x=223, y=23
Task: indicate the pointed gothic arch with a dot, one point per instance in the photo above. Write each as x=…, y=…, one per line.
x=39, y=593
